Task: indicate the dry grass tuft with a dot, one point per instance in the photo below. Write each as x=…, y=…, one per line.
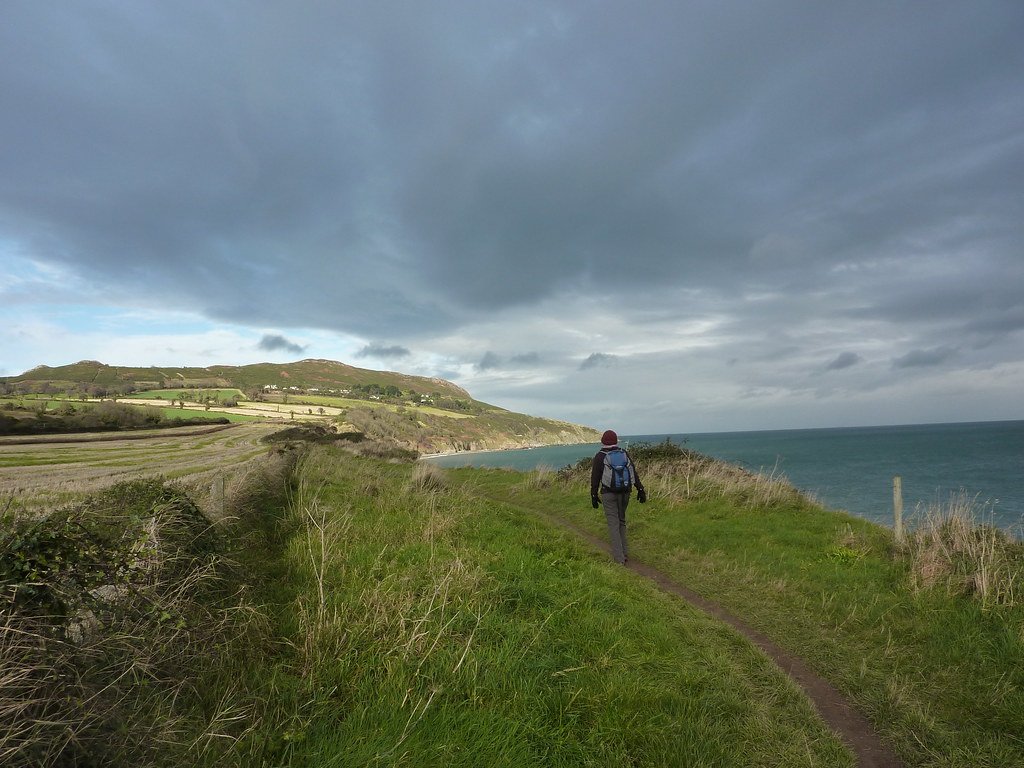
x=539, y=479
x=427, y=477
x=950, y=548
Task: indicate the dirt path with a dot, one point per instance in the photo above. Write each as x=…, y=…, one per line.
x=850, y=725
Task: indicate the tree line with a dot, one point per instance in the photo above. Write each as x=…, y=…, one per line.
x=104, y=416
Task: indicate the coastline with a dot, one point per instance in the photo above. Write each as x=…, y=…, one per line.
x=850, y=469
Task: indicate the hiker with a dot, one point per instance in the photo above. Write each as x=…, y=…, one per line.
x=614, y=475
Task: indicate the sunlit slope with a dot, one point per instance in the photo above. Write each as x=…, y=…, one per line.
x=428, y=415
x=304, y=374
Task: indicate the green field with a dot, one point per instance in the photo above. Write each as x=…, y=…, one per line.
x=191, y=395
x=184, y=413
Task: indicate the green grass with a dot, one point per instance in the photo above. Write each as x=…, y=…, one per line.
x=41, y=460
x=396, y=614
x=213, y=413
x=941, y=675
x=429, y=625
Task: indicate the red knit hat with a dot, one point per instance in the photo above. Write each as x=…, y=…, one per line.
x=609, y=438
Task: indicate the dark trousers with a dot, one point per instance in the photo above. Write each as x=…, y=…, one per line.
x=615, y=513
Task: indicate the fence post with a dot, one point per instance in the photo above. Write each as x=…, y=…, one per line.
x=217, y=496
x=897, y=507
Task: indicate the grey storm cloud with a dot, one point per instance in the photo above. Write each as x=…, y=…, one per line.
x=383, y=351
x=923, y=358
x=348, y=167
x=844, y=360
x=525, y=359
x=492, y=360
x=488, y=362
x=788, y=168
x=272, y=342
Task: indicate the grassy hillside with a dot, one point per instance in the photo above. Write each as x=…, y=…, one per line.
x=485, y=430
x=390, y=617
x=380, y=613
x=422, y=414
x=304, y=374
x=925, y=636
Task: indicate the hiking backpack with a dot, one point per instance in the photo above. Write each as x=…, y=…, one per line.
x=618, y=474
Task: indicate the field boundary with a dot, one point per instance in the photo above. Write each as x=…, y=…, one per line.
x=855, y=730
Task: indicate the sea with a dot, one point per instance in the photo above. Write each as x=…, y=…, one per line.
x=849, y=468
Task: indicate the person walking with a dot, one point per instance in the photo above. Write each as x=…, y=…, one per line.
x=613, y=476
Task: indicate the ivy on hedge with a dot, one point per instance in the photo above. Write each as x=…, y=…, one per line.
x=53, y=565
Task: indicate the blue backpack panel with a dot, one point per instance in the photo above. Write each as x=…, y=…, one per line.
x=618, y=475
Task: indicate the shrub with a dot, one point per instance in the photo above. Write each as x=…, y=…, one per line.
x=109, y=611
x=663, y=451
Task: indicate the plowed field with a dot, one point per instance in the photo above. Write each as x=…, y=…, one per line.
x=43, y=473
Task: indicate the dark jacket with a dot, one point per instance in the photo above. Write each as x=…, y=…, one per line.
x=597, y=470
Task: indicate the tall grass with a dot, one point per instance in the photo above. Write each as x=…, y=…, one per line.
x=951, y=546
x=120, y=617
x=391, y=614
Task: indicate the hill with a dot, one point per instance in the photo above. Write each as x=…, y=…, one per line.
x=428, y=415
x=304, y=374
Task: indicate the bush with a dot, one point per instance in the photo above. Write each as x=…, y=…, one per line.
x=109, y=611
x=104, y=416
x=643, y=452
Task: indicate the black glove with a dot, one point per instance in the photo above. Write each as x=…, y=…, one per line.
x=595, y=502
x=641, y=496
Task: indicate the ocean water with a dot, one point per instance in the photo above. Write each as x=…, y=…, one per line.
x=850, y=468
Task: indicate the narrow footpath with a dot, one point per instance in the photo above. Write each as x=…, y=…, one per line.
x=850, y=725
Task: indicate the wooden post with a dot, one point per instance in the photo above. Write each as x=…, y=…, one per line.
x=897, y=507
x=217, y=496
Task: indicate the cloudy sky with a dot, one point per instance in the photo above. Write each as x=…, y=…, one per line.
x=653, y=216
